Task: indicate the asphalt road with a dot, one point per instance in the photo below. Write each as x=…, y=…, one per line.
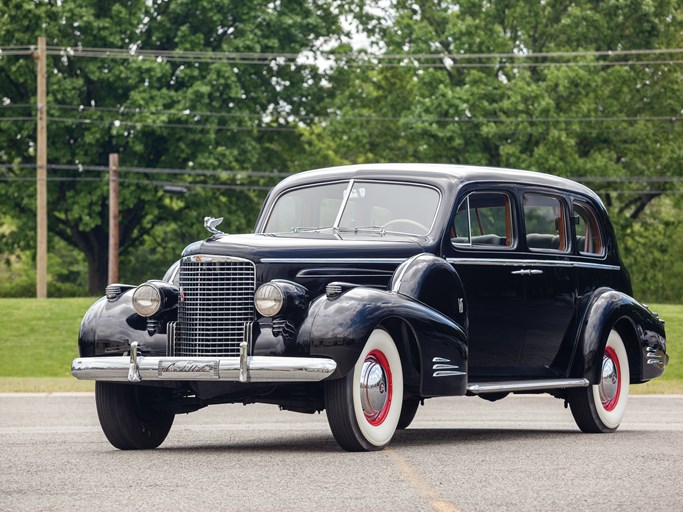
x=522, y=453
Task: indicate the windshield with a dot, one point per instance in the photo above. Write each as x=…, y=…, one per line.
x=365, y=206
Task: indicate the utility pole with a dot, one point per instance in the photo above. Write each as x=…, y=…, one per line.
x=41, y=172
x=113, y=274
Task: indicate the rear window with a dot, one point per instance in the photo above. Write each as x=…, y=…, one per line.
x=588, y=235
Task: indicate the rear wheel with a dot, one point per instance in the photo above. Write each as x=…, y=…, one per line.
x=600, y=408
x=364, y=407
x=128, y=415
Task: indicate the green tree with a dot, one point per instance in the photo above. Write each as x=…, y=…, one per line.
x=153, y=112
x=589, y=117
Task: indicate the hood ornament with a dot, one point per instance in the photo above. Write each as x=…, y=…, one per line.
x=210, y=223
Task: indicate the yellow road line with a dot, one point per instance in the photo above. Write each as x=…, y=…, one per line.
x=420, y=484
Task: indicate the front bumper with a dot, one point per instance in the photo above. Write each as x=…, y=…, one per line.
x=136, y=368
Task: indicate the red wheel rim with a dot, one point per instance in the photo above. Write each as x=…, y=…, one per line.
x=376, y=359
x=610, y=404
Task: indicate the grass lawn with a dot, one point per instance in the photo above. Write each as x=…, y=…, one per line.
x=39, y=339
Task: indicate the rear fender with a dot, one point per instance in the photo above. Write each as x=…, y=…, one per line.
x=643, y=334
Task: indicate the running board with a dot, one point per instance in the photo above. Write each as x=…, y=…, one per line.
x=525, y=385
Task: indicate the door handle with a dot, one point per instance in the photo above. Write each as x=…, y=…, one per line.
x=527, y=272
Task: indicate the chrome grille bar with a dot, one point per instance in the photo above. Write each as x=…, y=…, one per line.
x=217, y=299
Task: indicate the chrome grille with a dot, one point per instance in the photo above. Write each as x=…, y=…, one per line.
x=217, y=299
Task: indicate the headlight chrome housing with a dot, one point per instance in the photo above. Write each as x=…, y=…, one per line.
x=269, y=299
x=281, y=297
x=154, y=296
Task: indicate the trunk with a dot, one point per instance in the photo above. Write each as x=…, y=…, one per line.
x=95, y=246
x=97, y=258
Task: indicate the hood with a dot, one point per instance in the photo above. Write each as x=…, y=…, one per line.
x=291, y=246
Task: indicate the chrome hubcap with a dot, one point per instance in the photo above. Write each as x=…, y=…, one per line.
x=374, y=389
x=609, y=382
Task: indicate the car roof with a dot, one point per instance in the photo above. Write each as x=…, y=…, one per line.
x=437, y=173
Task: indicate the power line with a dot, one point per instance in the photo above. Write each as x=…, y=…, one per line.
x=134, y=111
x=359, y=58
x=155, y=183
x=23, y=118
x=155, y=170
x=16, y=50
x=332, y=117
x=125, y=110
x=118, y=123
x=409, y=64
x=134, y=52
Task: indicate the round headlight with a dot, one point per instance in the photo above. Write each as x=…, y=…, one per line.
x=268, y=300
x=146, y=299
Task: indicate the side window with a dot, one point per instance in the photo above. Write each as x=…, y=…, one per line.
x=588, y=236
x=545, y=220
x=484, y=219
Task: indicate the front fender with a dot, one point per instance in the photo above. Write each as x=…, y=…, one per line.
x=109, y=327
x=339, y=327
x=643, y=334
x=432, y=281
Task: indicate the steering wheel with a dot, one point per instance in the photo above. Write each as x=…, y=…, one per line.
x=422, y=229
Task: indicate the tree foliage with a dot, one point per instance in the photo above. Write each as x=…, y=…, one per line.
x=127, y=106
x=606, y=120
x=609, y=120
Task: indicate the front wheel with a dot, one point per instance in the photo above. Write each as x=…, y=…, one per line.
x=600, y=408
x=408, y=412
x=128, y=415
x=364, y=407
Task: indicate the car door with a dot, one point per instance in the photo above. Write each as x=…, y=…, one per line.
x=482, y=247
x=550, y=281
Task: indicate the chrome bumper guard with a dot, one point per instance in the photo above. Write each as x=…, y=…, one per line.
x=137, y=368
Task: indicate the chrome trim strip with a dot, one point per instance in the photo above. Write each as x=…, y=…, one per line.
x=440, y=360
x=447, y=374
x=599, y=266
x=538, y=263
x=259, y=368
x=212, y=258
x=526, y=385
x=342, y=207
x=442, y=366
x=333, y=260
x=171, y=338
x=396, y=281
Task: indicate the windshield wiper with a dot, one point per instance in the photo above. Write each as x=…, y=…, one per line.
x=306, y=229
x=370, y=229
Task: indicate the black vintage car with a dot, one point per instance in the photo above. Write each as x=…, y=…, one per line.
x=368, y=289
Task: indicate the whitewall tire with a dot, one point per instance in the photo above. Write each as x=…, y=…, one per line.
x=364, y=407
x=601, y=407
